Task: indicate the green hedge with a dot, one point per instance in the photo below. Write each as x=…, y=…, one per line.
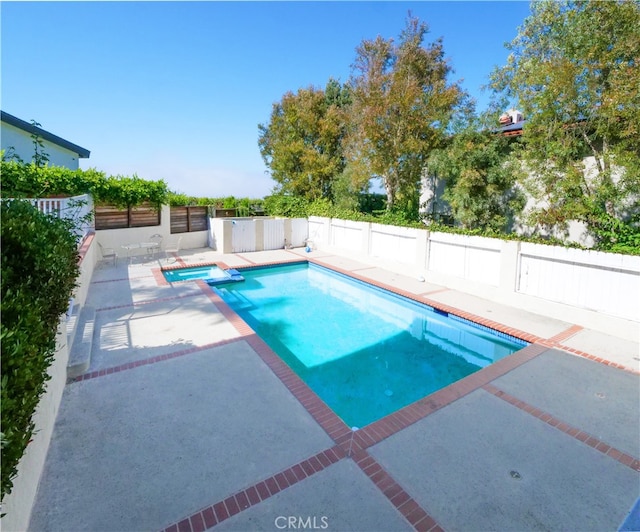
x=38, y=276
x=21, y=180
x=612, y=237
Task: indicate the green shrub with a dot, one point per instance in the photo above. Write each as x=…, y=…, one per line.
x=244, y=205
x=38, y=275
x=21, y=180
x=288, y=206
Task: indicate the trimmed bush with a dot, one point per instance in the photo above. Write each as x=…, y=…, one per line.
x=38, y=276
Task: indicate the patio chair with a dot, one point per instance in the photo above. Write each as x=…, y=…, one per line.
x=108, y=253
x=173, y=247
x=155, y=239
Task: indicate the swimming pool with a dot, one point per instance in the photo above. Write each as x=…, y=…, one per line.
x=366, y=352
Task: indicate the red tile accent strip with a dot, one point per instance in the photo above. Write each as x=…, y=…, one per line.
x=595, y=358
x=251, y=263
x=122, y=279
x=574, y=432
x=147, y=302
x=404, y=503
x=563, y=335
x=246, y=498
x=160, y=280
x=85, y=245
x=149, y=361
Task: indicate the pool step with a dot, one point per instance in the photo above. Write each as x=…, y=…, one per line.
x=234, y=276
x=80, y=354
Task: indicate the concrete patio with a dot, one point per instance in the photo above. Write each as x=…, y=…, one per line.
x=186, y=420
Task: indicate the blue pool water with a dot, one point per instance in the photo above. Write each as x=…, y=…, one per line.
x=364, y=351
x=191, y=274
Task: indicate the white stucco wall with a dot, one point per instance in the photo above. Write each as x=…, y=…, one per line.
x=116, y=238
x=22, y=144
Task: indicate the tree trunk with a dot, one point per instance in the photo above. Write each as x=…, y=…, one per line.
x=391, y=193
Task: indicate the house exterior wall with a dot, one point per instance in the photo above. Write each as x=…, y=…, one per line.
x=22, y=144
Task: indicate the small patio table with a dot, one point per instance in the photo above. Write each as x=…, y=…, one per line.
x=151, y=248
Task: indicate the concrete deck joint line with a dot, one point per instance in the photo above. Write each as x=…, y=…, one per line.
x=574, y=432
x=146, y=302
x=395, y=493
x=431, y=292
x=242, y=500
x=152, y=360
x=252, y=263
x=120, y=279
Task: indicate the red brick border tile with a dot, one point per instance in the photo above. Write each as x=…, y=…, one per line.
x=151, y=360
x=562, y=426
x=85, y=245
x=255, y=494
x=401, y=500
x=594, y=358
x=160, y=279
x=563, y=335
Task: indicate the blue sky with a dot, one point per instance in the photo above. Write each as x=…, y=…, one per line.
x=176, y=90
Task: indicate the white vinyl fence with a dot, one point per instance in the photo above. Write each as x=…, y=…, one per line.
x=395, y=243
x=606, y=283
x=469, y=257
x=299, y=232
x=273, y=233
x=76, y=208
x=241, y=235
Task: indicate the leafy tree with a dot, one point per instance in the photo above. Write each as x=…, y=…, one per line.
x=402, y=105
x=480, y=179
x=574, y=72
x=301, y=144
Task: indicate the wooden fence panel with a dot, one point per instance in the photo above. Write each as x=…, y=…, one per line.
x=198, y=218
x=144, y=216
x=188, y=219
x=111, y=217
